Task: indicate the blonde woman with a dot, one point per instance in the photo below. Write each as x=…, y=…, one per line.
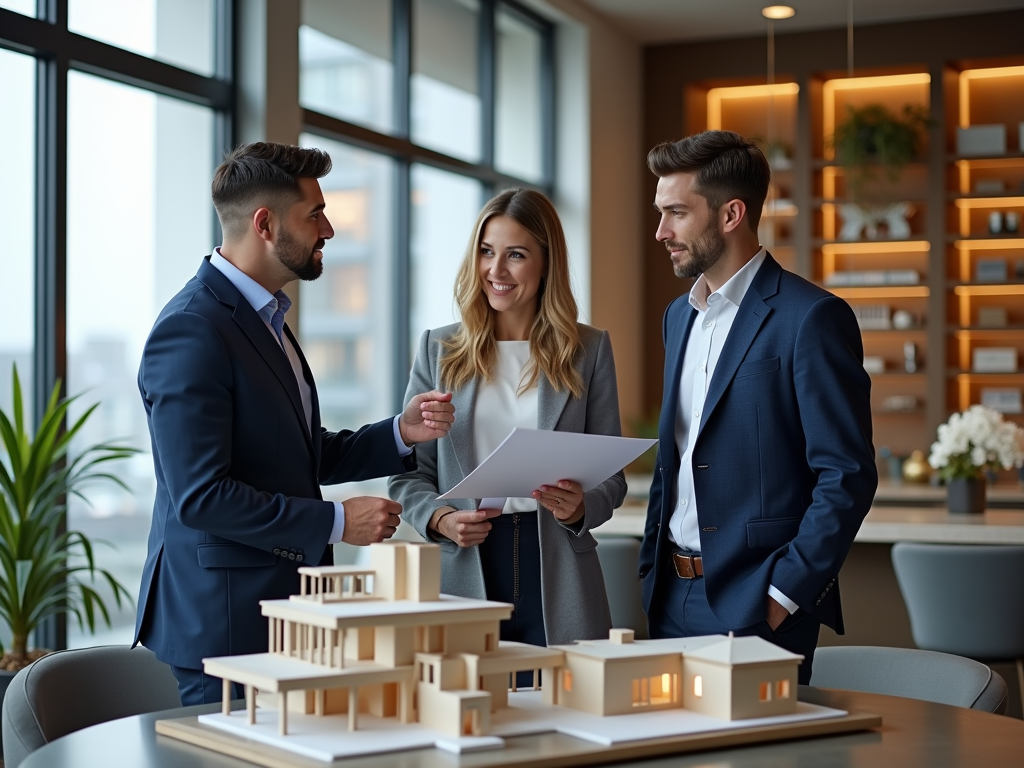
x=517, y=359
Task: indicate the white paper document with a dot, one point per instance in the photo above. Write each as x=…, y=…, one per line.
x=530, y=458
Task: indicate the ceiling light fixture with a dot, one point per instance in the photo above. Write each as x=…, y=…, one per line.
x=777, y=12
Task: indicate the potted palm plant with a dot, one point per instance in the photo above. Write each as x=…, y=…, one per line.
x=44, y=569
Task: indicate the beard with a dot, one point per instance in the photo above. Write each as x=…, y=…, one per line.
x=300, y=262
x=704, y=252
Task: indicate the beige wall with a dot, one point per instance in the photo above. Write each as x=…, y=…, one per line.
x=600, y=166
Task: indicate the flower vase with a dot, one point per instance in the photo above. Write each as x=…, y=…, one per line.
x=966, y=495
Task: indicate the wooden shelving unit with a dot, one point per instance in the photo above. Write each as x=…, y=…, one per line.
x=948, y=223
x=984, y=264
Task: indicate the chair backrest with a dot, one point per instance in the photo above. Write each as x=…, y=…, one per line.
x=69, y=690
x=963, y=599
x=925, y=675
x=619, y=558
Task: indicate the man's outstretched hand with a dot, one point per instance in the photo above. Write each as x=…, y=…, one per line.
x=427, y=417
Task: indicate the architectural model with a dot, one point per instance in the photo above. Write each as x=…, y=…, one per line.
x=381, y=643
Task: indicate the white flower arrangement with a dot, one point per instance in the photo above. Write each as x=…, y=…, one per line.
x=977, y=439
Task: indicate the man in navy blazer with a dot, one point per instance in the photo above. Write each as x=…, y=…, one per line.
x=765, y=465
x=238, y=447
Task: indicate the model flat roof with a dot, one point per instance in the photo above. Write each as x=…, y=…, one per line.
x=387, y=613
x=607, y=650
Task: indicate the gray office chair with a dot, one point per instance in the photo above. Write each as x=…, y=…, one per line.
x=925, y=675
x=965, y=599
x=619, y=557
x=70, y=690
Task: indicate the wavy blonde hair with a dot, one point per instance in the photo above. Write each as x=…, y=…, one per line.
x=554, y=338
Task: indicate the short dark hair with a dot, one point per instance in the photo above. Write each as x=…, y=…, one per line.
x=262, y=174
x=726, y=165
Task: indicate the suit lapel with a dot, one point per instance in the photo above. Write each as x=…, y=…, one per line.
x=461, y=434
x=253, y=327
x=314, y=399
x=752, y=313
x=680, y=333
x=550, y=403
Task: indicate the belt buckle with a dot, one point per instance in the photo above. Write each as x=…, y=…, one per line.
x=684, y=566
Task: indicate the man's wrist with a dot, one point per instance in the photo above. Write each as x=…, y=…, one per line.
x=401, y=443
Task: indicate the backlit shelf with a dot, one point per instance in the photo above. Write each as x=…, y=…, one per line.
x=916, y=245
x=880, y=292
x=1007, y=329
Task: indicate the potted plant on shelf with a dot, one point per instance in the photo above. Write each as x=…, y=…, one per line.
x=44, y=569
x=969, y=443
x=869, y=139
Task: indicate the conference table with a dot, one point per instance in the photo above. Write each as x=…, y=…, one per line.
x=913, y=733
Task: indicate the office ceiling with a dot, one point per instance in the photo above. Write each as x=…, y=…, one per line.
x=662, y=21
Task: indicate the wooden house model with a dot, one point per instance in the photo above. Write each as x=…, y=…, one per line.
x=383, y=640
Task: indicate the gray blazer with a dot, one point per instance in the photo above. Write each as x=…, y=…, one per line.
x=572, y=585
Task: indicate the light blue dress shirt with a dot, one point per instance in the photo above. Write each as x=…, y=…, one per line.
x=271, y=307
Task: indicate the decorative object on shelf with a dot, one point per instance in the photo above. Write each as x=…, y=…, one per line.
x=874, y=364
x=969, y=443
x=872, y=317
x=40, y=562
x=995, y=223
x=1018, y=269
x=916, y=468
x=900, y=404
x=994, y=360
x=990, y=270
x=992, y=317
x=873, y=219
x=902, y=320
x=1011, y=222
x=893, y=465
x=1004, y=400
x=910, y=357
x=874, y=277
x=989, y=186
x=981, y=140
x=873, y=136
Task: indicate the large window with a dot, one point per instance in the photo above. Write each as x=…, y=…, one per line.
x=454, y=99
x=17, y=182
x=149, y=230
x=108, y=214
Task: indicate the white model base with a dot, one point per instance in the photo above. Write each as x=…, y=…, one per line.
x=328, y=738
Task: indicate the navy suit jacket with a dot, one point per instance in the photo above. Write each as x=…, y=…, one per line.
x=238, y=506
x=783, y=465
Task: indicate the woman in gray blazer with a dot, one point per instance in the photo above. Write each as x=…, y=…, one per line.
x=518, y=358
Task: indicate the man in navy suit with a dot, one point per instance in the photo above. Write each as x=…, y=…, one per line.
x=238, y=448
x=765, y=466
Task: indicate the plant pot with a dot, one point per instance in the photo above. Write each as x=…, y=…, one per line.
x=966, y=495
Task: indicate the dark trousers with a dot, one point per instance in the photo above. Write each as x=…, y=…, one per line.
x=197, y=687
x=684, y=612
x=510, y=556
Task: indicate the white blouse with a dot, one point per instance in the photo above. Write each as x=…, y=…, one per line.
x=500, y=408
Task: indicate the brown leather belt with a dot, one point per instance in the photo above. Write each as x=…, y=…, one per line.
x=687, y=566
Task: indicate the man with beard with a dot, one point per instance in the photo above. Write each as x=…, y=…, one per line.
x=765, y=466
x=238, y=447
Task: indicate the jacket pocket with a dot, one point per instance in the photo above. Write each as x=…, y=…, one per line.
x=754, y=367
x=583, y=543
x=772, y=533
x=233, y=556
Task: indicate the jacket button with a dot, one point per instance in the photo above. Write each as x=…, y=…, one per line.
x=298, y=558
x=291, y=555
x=277, y=550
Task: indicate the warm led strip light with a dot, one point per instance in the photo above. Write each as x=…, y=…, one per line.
x=717, y=95
x=980, y=74
x=989, y=245
x=878, y=246
x=884, y=292
x=828, y=92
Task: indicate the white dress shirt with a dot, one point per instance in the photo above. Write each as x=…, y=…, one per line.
x=500, y=408
x=716, y=312
x=266, y=305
